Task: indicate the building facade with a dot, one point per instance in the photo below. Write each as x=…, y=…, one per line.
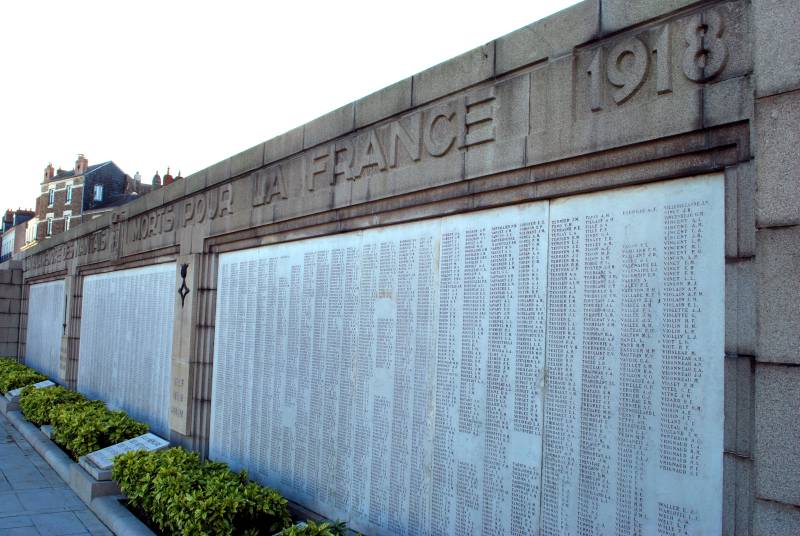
x=70, y=197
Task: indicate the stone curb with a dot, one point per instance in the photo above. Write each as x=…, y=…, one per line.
x=102, y=498
x=118, y=518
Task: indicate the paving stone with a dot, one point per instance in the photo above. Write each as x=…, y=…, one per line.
x=92, y=524
x=10, y=504
x=59, y=524
x=13, y=522
x=21, y=531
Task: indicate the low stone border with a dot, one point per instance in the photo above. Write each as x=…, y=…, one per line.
x=102, y=497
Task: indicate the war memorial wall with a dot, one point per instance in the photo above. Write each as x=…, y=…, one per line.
x=548, y=286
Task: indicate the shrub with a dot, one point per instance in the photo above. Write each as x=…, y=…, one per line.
x=179, y=494
x=38, y=404
x=85, y=426
x=14, y=376
x=338, y=528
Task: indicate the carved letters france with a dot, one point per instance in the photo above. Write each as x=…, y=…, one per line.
x=431, y=133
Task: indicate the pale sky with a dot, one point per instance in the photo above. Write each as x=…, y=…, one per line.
x=151, y=84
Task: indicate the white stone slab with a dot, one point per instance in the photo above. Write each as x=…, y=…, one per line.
x=395, y=377
x=46, y=302
x=104, y=458
x=126, y=341
x=39, y=385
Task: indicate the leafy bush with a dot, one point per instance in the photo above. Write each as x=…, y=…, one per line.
x=85, y=426
x=38, y=404
x=338, y=528
x=14, y=375
x=179, y=494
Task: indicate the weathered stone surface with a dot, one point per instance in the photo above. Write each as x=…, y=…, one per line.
x=740, y=307
x=739, y=387
x=383, y=103
x=284, y=145
x=217, y=173
x=777, y=432
x=550, y=37
x=247, y=160
x=737, y=495
x=778, y=263
x=728, y=101
x=777, y=163
x=777, y=46
x=329, y=126
x=776, y=519
x=617, y=14
x=458, y=73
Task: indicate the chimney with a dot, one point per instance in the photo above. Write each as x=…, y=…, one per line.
x=81, y=164
x=49, y=172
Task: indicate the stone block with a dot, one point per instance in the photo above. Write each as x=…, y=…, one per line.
x=16, y=277
x=286, y=144
x=196, y=181
x=174, y=191
x=550, y=37
x=248, y=160
x=777, y=46
x=384, y=103
x=619, y=14
x=777, y=432
x=740, y=307
x=737, y=495
x=511, y=119
x=5, y=277
x=9, y=321
x=329, y=126
x=450, y=76
x=777, y=266
x=86, y=487
x=219, y=172
x=776, y=519
x=777, y=165
x=728, y=101
x=11, y=292
x=746, y=209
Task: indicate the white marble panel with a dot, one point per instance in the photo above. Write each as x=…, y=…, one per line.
x=46, y=302
x=395, y=377
x=126, y=341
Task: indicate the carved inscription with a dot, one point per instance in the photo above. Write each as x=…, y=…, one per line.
x=627, y=64
x=431, y=133
x=206, y=206
x=543, y=368
x=85, y=245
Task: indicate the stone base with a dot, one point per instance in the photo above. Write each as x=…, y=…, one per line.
x=87, y=488
x=9, y=402
x=96, y=472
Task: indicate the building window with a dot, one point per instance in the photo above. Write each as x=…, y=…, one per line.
x=52, y=197
x=67, y=218
x=49, y=226
x=98, y=192
x=69, y=193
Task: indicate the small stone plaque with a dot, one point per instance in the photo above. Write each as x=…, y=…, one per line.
x=103, y=458
x=40, y=385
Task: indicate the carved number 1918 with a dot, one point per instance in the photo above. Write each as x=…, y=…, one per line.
x=628, y=62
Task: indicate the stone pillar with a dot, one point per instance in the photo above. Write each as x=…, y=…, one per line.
x=192, y=350
x=10, y=306
x=71, y=337
x=777, y=361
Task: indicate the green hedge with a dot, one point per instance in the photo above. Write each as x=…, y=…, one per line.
x=14, y=375
x=85, y=426
x=179, y=494
x=37, y=405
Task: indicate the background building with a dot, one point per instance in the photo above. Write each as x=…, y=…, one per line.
x=69, y=197
x=13, y=228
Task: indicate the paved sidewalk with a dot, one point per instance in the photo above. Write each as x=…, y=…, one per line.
x=33, y=498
